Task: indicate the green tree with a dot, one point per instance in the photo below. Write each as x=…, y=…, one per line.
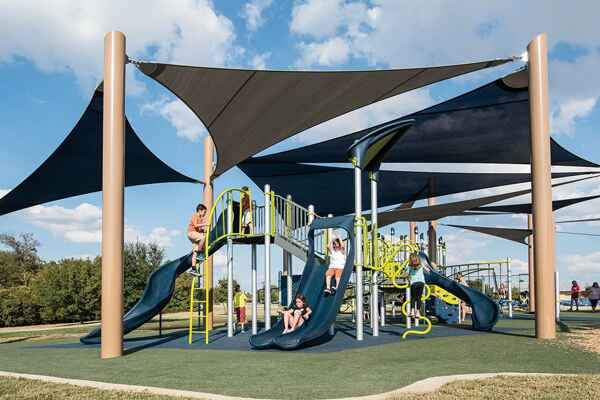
x=181, y=297
x=220, y=292
x=21, y=262
x=18, y=307
x=68, y=290
x=139, y=260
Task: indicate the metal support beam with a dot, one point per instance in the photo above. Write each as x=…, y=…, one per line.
x=432, y=236
x=113, y=181
x=229, y=267
x=254, y=292
x=541, y=181
x=374, y=255
x=287, y=257
x=268, y=257
x=358, y=252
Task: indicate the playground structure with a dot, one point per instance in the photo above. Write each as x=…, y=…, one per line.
x=115, y=60
x=281, y=221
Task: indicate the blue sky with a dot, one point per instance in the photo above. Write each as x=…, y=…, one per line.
x=51, y=61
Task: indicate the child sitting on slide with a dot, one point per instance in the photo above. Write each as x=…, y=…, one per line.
x=197, y=231
x=296, y=315
x=337, y=261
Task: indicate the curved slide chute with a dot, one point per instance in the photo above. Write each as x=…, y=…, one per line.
x=485, y=310
x=161, y=285
x=312, y=284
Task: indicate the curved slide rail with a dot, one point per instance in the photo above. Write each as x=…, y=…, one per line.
x=485, y=310
x=159, y=288
x=324, y=309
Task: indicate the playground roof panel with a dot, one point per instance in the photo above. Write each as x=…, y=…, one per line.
x=75, y=167
x=331, y=189
x=487, y=125
x=514, y=234
x=247, y=111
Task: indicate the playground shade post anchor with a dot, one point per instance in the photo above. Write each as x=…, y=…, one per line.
x=113, y=180
x=254, y=292
x=541, y=182
x=267, y=287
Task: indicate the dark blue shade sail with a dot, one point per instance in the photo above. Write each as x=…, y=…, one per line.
x=75, y=167
x=331, y=189
x=487, y=125
x=248, y=111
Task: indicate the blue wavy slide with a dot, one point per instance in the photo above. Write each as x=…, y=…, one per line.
x=324, y=308
x=160, y=288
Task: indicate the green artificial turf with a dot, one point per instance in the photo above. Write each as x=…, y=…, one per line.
x=299, y=375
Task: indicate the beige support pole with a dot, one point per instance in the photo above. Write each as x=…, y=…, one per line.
x=208, y=202
x=411, y=232
x=113, y=181
x=530, y=264
x=432, y=235
x=541, y=181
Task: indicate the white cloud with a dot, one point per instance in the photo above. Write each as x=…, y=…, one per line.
x=259, y=61
x=408, y=34
x=566, y=114
x=467, y=245
x=161, y=236
x=3, y=192
x=187, y=125
x=184, y=32
x=324, y=18
x=519, y=266
x=83, y=224
x=330, y=52
x=253, y=13
x=583, y=264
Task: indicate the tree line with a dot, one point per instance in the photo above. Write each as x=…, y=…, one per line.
x=34, y=291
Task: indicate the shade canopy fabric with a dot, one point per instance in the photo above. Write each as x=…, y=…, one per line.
x=514, y=234
x=487, y=125
x=439, y=211
x=75, y=167
x=331, y=189
x=247, y=111
x=525, y=208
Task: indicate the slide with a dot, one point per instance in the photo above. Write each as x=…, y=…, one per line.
x=324, y=309
x=485, y=310
x=161, y=285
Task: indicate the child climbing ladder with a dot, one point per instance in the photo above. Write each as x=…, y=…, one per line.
x=197, y=231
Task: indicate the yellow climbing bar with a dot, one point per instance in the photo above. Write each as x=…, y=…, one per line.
x=423, y=318
x=444, y=295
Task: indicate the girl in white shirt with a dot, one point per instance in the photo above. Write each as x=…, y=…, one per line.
x=337, y=261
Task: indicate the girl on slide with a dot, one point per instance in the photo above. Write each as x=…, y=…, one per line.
x=337, y=261
x=295, y=316
x=417, y=284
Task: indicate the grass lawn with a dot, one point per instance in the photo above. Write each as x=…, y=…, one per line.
x=311, y=375
x=526, y=388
